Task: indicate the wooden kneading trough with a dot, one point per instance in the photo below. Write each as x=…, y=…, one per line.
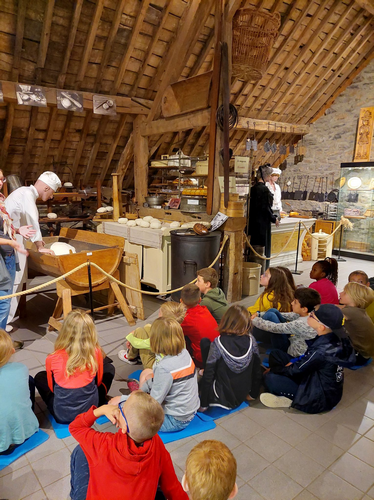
x=102, y=249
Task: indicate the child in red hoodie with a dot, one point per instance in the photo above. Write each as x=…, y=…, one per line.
x=198, y=322
x=127, y=465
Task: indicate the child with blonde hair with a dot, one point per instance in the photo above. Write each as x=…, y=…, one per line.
x=210, y=472
x=173, y=380
x=362, y=278
x=78, y=374
x=137, y=342
x=355, y=298
x=18, y=421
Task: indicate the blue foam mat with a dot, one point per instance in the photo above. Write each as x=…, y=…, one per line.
x=200, y=423
x=265, y=362
x=355, y=367
x=216, y=412
x=35, y=440
x=61, y=430
x=135, y=374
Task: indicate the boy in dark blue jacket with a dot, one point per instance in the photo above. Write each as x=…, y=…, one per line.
x=313, y=382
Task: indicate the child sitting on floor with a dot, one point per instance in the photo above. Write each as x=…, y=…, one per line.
x=233, y=365
x=325, y=272
x=355, y=298
x=78, y=374
x=362, y=278
x=198, y=322
x=137, y=342
x=213, y=297
x=18, y=421
x=173, y=381
x=210, y=472
x=313, y=382
x=277, y=294
x=290, y=330
x=127, y=465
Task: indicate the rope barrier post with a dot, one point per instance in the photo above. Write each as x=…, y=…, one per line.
x=295, y=271
x=90, y=287
x=340, y=259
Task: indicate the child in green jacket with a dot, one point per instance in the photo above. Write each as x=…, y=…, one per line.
x=214, y=299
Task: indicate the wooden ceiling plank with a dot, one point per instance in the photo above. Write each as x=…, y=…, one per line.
x=187, y=139
x=73, y=31
x=196, y=146
x=44, y=40
x=305, y=103
x=152, y=46
x=47, y=142
x=82, y=141
x=177, y=53
x=117, y=136
x=7, y=135
x=89, y=44
x=368, y=5
x=203, y=54
x=21, y=15
x=125, y=159
x=109, y=43
x=290, y=71
x=158, y=143
x=61, y=146
x=130, y=47
x=171, y=143
x=95, y=149
x=30, y=138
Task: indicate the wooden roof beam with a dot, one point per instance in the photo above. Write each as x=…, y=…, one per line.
x=95, y=149
x=197, y=143
x=119, y=131
x=89, y=44
x=158, y=143
x=61, y=146
x=368, y=5
x=21, y=14
x=30, y=138
x=130, y=47
x=82, y=141
x=73, y=31
x=203, y=54
x=47, y=142
x=44, y=40
x=7, y=136
x=125, y=159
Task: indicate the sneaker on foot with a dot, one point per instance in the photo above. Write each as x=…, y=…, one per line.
x=17, y=344
x=132, y=384
x=8, y=328
x=123, y=357
x=272, y=401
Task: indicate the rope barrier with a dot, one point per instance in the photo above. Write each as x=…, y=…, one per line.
x=85, y=264
x=268, y=258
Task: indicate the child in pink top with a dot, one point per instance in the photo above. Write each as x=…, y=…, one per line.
x=325, y=272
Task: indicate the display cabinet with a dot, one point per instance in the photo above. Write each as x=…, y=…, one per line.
x=356, y=203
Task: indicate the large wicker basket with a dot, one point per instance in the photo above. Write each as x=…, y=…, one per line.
x=254, y=33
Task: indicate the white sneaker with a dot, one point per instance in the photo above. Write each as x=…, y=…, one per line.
x=272, y=401
x=123, y=357
x=8, y=328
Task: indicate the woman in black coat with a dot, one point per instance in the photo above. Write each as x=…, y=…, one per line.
x=261, y=215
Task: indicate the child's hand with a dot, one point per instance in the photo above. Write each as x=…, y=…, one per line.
x=266, y=371
x=254, y=316
x=128, y=345
x=115, y=401
x=289, y=364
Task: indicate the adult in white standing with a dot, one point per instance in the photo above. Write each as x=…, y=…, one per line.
x=276, y=192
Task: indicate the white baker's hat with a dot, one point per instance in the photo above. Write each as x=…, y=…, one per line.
x=51, y=179
x=276, y=171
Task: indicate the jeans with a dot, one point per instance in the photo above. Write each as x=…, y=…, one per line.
x=80, y=474
x=277, y=340
x=281, y=385
x=10, y=263
x=172, y=424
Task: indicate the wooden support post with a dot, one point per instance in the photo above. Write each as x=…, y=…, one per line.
x=122, y=303
x=233, y=271
x=140, y=161
x=117, y=210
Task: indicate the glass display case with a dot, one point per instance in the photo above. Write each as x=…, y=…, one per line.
x=356, y=203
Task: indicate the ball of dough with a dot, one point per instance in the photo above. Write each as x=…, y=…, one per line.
x=138, y=221
x=148, y=218
x=155, y=225
x=62, y=248
x=52, y=216
x=122, y=220
x=144, y=223
x=174, y=224
x=109, y=209
x=131, y=223
x=68, y=185
x=101, y=210
x=185, y=225
x=156, y=220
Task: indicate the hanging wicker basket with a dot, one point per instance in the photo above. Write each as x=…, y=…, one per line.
x=254, y=33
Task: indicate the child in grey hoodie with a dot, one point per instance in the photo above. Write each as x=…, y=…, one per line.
x=214, y=299
x=290, y=330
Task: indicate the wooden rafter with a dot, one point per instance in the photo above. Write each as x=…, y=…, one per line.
x=92, y=158
x=367, y=5
x=187, y=139
x=72, y=33
x=130, y=47
x=158, y=143
x=119, y=131
x=64, y=137
x=203, y=54
x=172, y=143
x=21, y=14
x=89, y=44
x=82, y=141
x=197, y=142
x=30, y=138
x=47, y=142
x=125, y=159
x=151, y=47
x=109, y=43
x=7, y=136
x=44, y=40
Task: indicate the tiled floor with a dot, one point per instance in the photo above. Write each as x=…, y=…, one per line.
x=281, y=454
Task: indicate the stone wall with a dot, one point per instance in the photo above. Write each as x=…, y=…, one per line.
x=332, y=139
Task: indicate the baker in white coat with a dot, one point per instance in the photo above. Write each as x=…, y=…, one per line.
x=21, y=206
x=276, y=192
